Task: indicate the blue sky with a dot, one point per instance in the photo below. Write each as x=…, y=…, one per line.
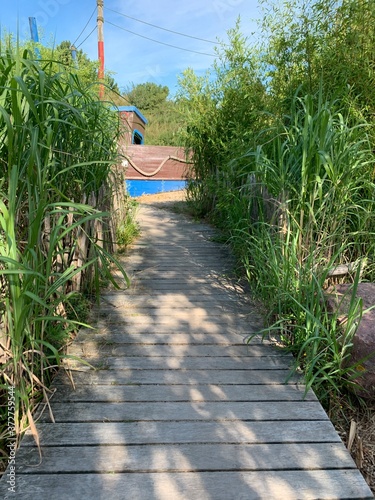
x=133, y=59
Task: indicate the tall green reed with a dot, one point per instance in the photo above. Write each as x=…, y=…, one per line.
x=57, y=144
x=318, y=171
x=294, y=208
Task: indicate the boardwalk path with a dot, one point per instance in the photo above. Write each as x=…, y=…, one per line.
x=179, y=407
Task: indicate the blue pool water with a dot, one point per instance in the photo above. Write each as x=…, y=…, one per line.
x=152, y=186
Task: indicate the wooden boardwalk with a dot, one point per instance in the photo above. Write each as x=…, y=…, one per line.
x=179, y=408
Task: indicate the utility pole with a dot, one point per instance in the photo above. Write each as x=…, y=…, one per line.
x=100, y=4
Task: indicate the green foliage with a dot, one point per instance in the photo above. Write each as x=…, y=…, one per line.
x=128, y=229
x=282, y=139
x=147, y=96
x=224, y=111
x=321, y=43
x=164, y=116
x=312, y=202
x=49, y=166
x=165, y=125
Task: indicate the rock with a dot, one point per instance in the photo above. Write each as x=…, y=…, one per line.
x=338, y=298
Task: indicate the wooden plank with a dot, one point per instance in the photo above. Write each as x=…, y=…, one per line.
x=120, y=412
x=124, y=297
x=185, y=318
x=184, y=377
x=184, y=362
x=89, y=349
x=182, y=393
x=206, y=303
x=130, y=433
x=211, y=309
x=185, y=458
x=177, y=259
x=275, y=485
x=111, y=335
x=163, y=312
x=217, y=291
x=113, y=320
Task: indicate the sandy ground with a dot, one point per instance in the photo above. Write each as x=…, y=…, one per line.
x=163, y=198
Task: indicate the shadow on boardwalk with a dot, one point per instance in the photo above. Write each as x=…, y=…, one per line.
x=178, y=406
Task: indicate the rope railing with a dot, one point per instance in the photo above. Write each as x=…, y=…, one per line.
x=147, y=174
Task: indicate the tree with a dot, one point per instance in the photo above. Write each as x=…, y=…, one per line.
x=163, y=114
x=147, y=96
x=84, y=67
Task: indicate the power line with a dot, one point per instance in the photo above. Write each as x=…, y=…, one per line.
x=79, y=36
x=160, y=28
x=158, y=41
x=88, y=36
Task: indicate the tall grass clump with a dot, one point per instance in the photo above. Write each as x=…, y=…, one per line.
x=57, y=144
x=306, y=205
x=282, y=135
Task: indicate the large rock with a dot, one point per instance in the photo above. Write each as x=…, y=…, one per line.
x=363, y=351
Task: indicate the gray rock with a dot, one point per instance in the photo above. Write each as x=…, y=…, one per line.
x=363, y=351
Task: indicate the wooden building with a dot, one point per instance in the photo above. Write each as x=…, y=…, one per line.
x=133, y=125
x=148, y=169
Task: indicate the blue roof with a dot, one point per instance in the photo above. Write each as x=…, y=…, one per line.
x=134, y=110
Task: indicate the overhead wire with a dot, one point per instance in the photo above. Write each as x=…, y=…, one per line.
x=161, y=43
x=160, y=28
x=88, y=36
x=79, y=36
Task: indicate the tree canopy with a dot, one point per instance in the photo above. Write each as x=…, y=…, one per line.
x=164, y=117
x=147, y=96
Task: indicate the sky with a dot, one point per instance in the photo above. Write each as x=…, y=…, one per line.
x=132, y=59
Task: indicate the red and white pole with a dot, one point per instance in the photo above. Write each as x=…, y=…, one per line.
x=100, y=4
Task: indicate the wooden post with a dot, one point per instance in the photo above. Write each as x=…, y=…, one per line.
x=100, y=4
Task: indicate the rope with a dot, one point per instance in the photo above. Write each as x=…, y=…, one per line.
x=146, y=174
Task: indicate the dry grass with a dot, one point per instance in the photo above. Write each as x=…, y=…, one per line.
x=355, y=423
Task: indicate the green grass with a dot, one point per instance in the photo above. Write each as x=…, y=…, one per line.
x=128, y=229
x=297, y=205
x=51, y=171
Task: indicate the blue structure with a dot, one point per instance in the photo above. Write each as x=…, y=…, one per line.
x=152, y=186
x=34, y=35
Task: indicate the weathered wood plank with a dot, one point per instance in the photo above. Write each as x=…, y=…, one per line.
x=179, y=299
x=171, y=288
x=181, y=313
x=92, y=349
x=130, y=433
x=192, y=291
x=120, y=412
x=184, y=362
x=185, y=320
x=182, y=393
x=185, y=458
x=117, y=324
x=121, y=335
x=193, y=377
x=275, y=485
